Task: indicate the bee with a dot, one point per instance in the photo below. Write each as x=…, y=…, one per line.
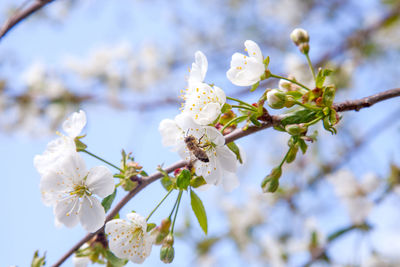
x=194, y=146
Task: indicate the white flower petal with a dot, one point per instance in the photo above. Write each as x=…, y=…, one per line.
x=214, y=136
x=92, y=214
x=254, y=50
x=80, y=261
x=53, y=186
x=227, y=159
x=100, y=181
x=66, y=211
x=75, y=123
x=170, y=132
x=137, y=220
x=210, y=112
x=199, y=68
x=55, y=152
x=118, y=232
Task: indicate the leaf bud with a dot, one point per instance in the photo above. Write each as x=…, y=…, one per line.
x=299, y=36
x=328, y=95
x=276, y=99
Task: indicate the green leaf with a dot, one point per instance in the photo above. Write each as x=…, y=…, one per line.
x=167, y=183
x=199, y=211
x=299, y=116
x=150, y=226
x=107, y=201
x=113, y=260
x=322, y=74
x=143, y=173
x=183, y=179
x=235, y=149
x=226, y=107
x=38, y=261
x=303, y=145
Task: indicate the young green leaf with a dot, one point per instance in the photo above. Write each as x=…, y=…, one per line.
x=235, y=149
x=183, y=179
x=167, y=183
x=199, y=211
x=299, y=116
x=113, y=260
x=108, y=200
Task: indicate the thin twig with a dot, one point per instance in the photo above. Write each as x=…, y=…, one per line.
x=238, y=133
x=22, y=14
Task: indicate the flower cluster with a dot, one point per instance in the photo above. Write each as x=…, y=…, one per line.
x=193, y=133
x=67, y=185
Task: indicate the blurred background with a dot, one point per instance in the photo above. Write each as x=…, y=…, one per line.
x=125, y=63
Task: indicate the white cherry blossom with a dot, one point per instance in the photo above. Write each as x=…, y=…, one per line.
x=247, y=70
x=202, y=101
x=70, y=189
x=129, y=239
x=222, y=164
x=65, y=144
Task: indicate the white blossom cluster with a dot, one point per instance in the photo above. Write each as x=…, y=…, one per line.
x=354, y=193
x=201, y=109
x=67, y=185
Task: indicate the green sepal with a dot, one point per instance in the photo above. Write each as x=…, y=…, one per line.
x=255, y=86
x=167, y=183
x=199, y=211
x=328, y=95
x=183, y=179
x=108, y=200
x=266, y=62
x=197, y=181
x=235, y=149
x=226, y=107
x=80, y=146
x=295, y=94
x=114, y=261
x=292, y=153
x=150, y=226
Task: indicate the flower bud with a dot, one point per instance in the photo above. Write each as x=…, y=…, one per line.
x=271, y=182
x=291, y=156
x=296, y=129
x=167, y=251
x=167, y=254
x=165, y=224
x=299, y=36
x=276, y=99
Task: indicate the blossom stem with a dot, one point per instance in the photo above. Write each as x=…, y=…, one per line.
x=245, y=107
x=103, y=160
x=239, y=101
x=313, y=121
x=176, y=211
x=173, y=209
x=284, y=158
x=162, y=200
x=232, y=121
x=311, y=66
x=290, y=80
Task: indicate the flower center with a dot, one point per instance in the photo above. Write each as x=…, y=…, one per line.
x=80, y=190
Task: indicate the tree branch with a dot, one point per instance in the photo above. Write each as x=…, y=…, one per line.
x=20, y=15
x=366, y=101
x=237, y=134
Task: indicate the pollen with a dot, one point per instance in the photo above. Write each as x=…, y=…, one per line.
x=197, y=89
